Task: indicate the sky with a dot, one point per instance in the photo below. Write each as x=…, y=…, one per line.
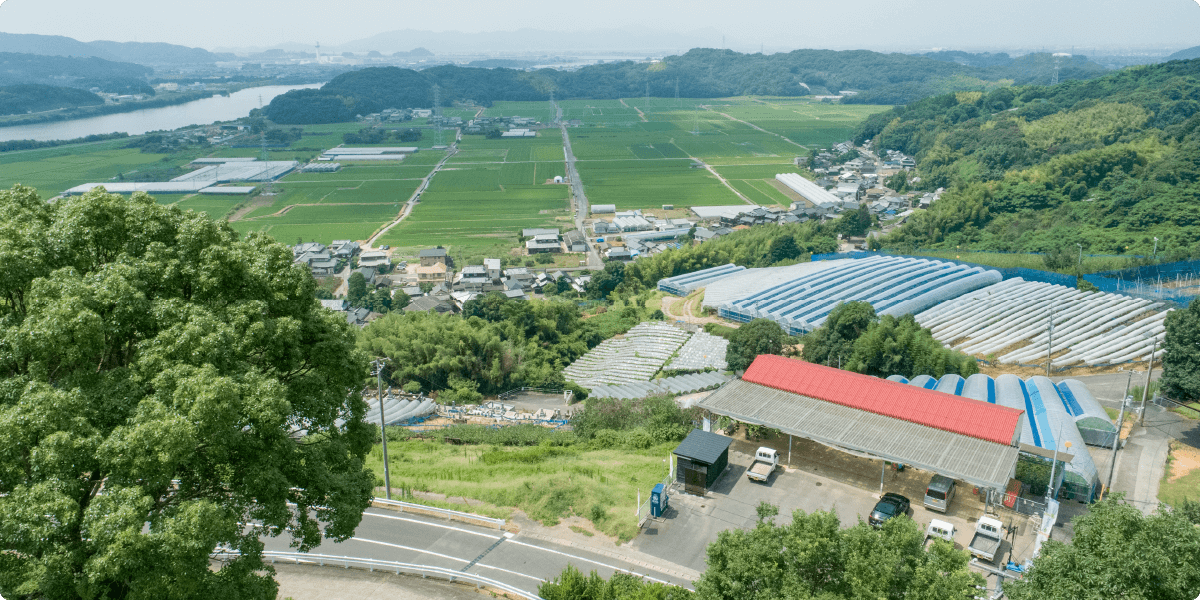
x=776, y=24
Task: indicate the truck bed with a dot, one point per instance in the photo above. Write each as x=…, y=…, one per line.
x=760, y=470
x=984, y=546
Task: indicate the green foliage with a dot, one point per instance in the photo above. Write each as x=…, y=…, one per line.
x=832, y=344
x=1181, y=363
x=18, y=99
x=1109, y=164
x=657, y=417
x=901, y=346
x=152, y=354
x=856, y=223
x=573, y=585
x=814, y=557
x=1035, y=471
x=512, y=344
x=760, y=336
x=356, y=290
x=1117, y=548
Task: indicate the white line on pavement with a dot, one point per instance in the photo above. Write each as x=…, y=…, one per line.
x=591, y=561
x=507, y=571
x=358, y=539
x=419, y=522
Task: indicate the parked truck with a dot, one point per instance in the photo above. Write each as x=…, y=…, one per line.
x=765, y=462
x=985, y=544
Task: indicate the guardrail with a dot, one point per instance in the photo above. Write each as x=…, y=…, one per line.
x=371, y=564
x=453, y=515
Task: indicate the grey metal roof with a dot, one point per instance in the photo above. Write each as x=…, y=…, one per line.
x=979, y=462
x=702, y=446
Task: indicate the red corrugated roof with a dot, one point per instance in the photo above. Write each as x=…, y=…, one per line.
x=888, y=398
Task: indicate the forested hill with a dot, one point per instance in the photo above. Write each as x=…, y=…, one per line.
x=143, y=53
x=700, y=73
x=1108, y=163
x=76, y=72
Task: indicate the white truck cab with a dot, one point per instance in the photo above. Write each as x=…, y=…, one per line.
x=766, y=460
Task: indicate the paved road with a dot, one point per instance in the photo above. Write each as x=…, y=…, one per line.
x=521, y=560
x=581, y=202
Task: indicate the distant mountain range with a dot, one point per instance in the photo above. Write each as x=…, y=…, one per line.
x=519, y=41
x=142, y=53
x=1186, y=54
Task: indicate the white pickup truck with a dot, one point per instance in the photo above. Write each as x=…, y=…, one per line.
x=989, y=533
x=765, y=462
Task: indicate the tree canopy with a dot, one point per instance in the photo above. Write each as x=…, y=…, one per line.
x=760, y=336
x=855, y=339
x=1181, y=363
x=156, y=375
x=1117, y=552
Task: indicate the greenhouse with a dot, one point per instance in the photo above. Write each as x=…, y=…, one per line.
x=397, y=410
x=682, y=285
x=637, y=356
x=1055, y=415
x=1013, y=318
x=893, y=285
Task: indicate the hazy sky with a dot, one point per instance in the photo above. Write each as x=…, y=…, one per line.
x=872, y=24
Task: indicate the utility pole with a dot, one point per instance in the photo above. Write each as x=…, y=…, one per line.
x=1112, y=463
x=1155, y=254
x=377, y=365
x=1146, y=389
x=1079, y=265
x=1050, y=342
x=1054, y=463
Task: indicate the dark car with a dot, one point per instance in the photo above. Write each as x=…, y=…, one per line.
x=890, y=505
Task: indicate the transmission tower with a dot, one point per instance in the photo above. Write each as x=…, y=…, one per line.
x=696, y=122
x=677, y=92
x=647, y=96
x=1054, y=78
x=437, y=117
x=263, y=156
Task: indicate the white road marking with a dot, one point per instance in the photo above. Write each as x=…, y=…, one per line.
x=394, y=518
x=509, y=572
x=596, y=562
x=358, y=539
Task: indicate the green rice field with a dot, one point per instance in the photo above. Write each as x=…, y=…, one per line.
x=631, y=153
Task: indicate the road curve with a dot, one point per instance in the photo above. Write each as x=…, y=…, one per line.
x=520, y=560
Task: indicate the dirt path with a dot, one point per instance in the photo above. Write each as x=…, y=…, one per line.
x=639, y=111
x=250, y=207
x=714, y=172
x=412, y=200
x=685, y=308
x=709, y=109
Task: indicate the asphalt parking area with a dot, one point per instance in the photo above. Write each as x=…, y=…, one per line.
x=692, y=522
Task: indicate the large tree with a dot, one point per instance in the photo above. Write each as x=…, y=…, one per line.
x=901, y=346
x=166, y=389
x=1181, y=363
x=832, y=343
x=1117, y=552
x=760, y=336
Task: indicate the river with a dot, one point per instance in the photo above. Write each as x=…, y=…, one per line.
x=196, y=112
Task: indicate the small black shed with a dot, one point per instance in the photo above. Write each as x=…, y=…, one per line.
x=702, y=457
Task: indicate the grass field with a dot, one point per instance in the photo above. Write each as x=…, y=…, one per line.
x=547, y=483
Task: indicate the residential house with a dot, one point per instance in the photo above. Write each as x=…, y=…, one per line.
x=432, y=256
x=492, y=267
x=430, y=304
x=339, y=304
x=344, y=249
x=314, y=247
x=544, y=243
x=534, y=232
x=373, y=258
x=434, y=273
x=575, y=241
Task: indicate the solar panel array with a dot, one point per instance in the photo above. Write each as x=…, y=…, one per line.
x=1090, y=328
x=682, y=384
x=893, y=285
x=702, y=351
x=635, y=357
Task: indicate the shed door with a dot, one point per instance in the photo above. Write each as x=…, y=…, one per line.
x=695, y=479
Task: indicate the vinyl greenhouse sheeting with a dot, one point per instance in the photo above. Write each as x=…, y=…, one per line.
x=893, y=285
x=752, y=281
x=1012, y=318
x=1053, y=413
x=636, y=357
x=682, y=285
